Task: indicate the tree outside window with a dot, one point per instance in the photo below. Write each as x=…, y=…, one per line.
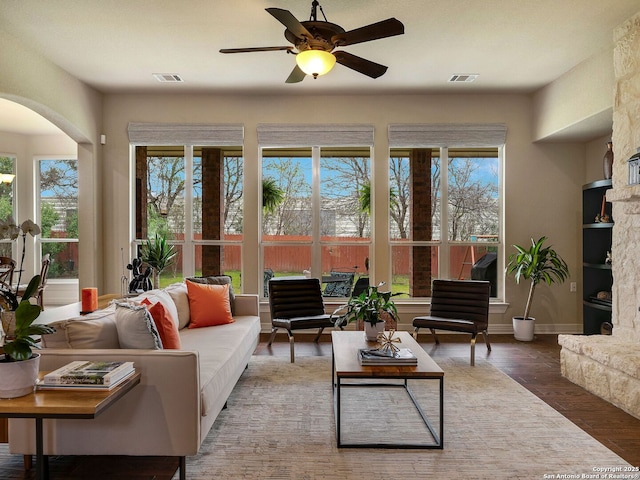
x=466, y=202
x=59, y=216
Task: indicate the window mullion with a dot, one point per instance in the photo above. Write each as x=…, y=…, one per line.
x=316, y=257
x=188, y=250
x=443, y=264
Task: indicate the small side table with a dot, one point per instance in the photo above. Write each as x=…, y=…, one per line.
x=67, y=404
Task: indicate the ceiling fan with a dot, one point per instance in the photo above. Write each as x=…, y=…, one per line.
x=314, y=42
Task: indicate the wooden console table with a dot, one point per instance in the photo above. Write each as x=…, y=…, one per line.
x=68, y=404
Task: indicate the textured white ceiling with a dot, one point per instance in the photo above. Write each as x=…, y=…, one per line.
x=514, y=45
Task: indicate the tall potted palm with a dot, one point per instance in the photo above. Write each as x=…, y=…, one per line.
x=536, y=264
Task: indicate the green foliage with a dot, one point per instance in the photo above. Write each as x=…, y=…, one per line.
x=21, y=347
x=272, y=195
x=369, y=306
x=158, y=254
x=537, y=264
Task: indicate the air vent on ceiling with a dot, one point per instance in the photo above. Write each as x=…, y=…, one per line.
x=168, y=77
x=463, y=77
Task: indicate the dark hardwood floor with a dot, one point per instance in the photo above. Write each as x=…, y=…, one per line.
x=535, y=365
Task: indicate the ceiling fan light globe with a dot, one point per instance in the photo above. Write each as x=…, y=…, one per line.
x=315, y=62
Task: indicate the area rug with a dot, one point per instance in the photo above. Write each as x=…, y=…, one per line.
x=280, y=425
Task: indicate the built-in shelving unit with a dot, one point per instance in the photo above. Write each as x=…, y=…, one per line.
x=596, y=242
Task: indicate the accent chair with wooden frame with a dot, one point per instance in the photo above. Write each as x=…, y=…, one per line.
x=458, y=306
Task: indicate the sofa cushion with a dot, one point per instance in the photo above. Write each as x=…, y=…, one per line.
x=178, y=293
x=155, y=296
x=136, y=328
x=209, y=304
x=166, y=326
x=94, y=330
x=217, y=280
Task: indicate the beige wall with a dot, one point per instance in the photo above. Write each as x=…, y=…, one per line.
x=580, y=102
x=32, y=80
x=543, y=181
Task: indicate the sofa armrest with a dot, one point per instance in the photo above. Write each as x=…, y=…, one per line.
x=160, y=416
x=247, y=304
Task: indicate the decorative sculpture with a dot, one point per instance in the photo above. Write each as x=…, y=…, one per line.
x=140, y=282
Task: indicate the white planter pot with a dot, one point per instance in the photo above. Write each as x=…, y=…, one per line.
x=19, y=378
x=371, y=331
x=523, y=328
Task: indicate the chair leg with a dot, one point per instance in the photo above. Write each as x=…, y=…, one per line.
x=485, y=334
x=435, y=337
x=293, y=358
x=317, y=339
x=274, y=330
x=473, y=349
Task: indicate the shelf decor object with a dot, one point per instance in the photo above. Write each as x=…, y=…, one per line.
x=607, y=165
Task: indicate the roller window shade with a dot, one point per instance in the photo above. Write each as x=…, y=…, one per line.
x=447, y=135
x=185, y=134
x=306, y=135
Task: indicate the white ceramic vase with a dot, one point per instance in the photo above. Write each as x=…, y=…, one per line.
x=19, y=378
x=371, y=330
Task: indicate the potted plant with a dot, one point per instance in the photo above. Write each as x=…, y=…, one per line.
x=370, y=307
x=19, y=367
x=536, y=264
x=158, y=255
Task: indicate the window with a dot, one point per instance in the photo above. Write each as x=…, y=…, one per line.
x=192, y=196
x=315, y=218
x=7, y=206
x=314, y=222
x=445, y=206
x=58, y=205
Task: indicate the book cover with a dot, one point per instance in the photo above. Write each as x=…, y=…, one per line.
x=374, y=356
x=83, y=387
x=89, y=373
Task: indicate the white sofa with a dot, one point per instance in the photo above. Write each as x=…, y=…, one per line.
x=179, y=397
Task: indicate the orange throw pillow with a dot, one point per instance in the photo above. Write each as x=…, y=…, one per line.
x=164, y=324
x=209, y=305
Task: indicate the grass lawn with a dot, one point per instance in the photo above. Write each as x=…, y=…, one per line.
x=400, y=282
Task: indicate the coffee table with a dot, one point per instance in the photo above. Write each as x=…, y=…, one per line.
x=345, y=366
x=67, y=404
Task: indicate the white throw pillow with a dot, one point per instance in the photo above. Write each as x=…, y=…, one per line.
x=178, y=293
x=136, y=328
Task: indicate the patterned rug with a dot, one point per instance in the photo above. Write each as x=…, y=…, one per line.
x=280, y=425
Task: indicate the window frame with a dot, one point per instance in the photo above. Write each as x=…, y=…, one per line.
x=39, y=239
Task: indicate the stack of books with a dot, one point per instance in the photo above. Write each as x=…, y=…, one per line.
x=86, y=375
x=375, y=356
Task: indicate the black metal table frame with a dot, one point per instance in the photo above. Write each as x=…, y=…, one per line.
x=336, y=387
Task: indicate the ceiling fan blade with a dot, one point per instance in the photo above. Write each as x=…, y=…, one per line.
x=359, y=64
x=386, y=28
x=296, y=75
x=286, y=18
x=254, y=49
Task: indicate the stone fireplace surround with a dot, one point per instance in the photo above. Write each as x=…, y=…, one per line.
x=609, y=366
